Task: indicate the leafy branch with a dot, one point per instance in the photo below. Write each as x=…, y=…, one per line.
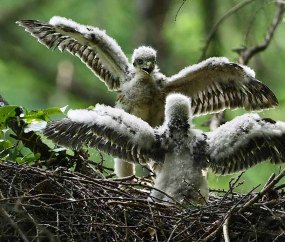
x=11, y=117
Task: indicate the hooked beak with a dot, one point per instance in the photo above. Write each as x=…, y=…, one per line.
x=147, y=71
x=148, y=68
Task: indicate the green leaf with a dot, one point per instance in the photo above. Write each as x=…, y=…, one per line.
x=28, y=158
x=4, y=144
x=37, y=156
x=6, y=112
x=41, y=114
x=20, y=160
x=13, y=154
x=53, y=111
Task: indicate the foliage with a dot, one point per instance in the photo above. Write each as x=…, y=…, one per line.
x=6, y=112
x=30, y=153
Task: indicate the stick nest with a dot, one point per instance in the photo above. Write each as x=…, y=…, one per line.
x=44, y=205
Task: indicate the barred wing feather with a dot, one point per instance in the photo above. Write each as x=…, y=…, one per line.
x=244, y=142
x=94, y=47
x=110, y=130
x=216, y=84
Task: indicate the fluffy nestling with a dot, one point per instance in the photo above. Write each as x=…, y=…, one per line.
x=179, y=151
x=213, y=85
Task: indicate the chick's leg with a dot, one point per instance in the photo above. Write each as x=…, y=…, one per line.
x=123, y=168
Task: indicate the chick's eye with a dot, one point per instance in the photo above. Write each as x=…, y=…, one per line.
x=140, y=61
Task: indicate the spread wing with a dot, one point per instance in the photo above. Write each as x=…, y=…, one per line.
x=110, y=130
x=244, y=142
x=94, y=47
x=216, y=84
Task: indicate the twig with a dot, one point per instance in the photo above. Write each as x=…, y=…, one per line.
x=196, y=190
x=14, y=225
x=236, y=205
x=275, y=217
x=214, y=29
x=277, y=237
x=183, y=231
x=126, y=204
x=226, y=229
x=152, y=219
x=270, y=203
x=272, y=176
x=57, y=223
x=172, y=232
x=245, y=54
x=231, y=187
x=127, y=178
x=279, y=187
x=262, y=192
x=251, y=21
x=11, y=221
x=179, y=9
x=72, y=206
x=127, y=234
x=222, y=191
x=233, y=208
x=111, y=175
x=159, y=217
x=6, y=149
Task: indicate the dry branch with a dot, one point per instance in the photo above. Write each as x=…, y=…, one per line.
x=65, y=206
x=216, y=26
x=183, y=1
x=245, y=54
x=226, y=229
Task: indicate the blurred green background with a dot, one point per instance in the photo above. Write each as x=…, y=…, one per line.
x=35, y=77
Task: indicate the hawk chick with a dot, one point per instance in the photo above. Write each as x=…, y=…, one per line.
x=213, y=85
x=179, y=151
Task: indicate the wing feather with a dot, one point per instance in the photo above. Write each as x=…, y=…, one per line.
x=97, y=50
x=216, y=84
x=110, y=130
x=244, y=142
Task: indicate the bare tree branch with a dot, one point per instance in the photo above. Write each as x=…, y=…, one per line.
x=179, y=9
x=246, y=54
x=216, y=26
x=251, y=21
